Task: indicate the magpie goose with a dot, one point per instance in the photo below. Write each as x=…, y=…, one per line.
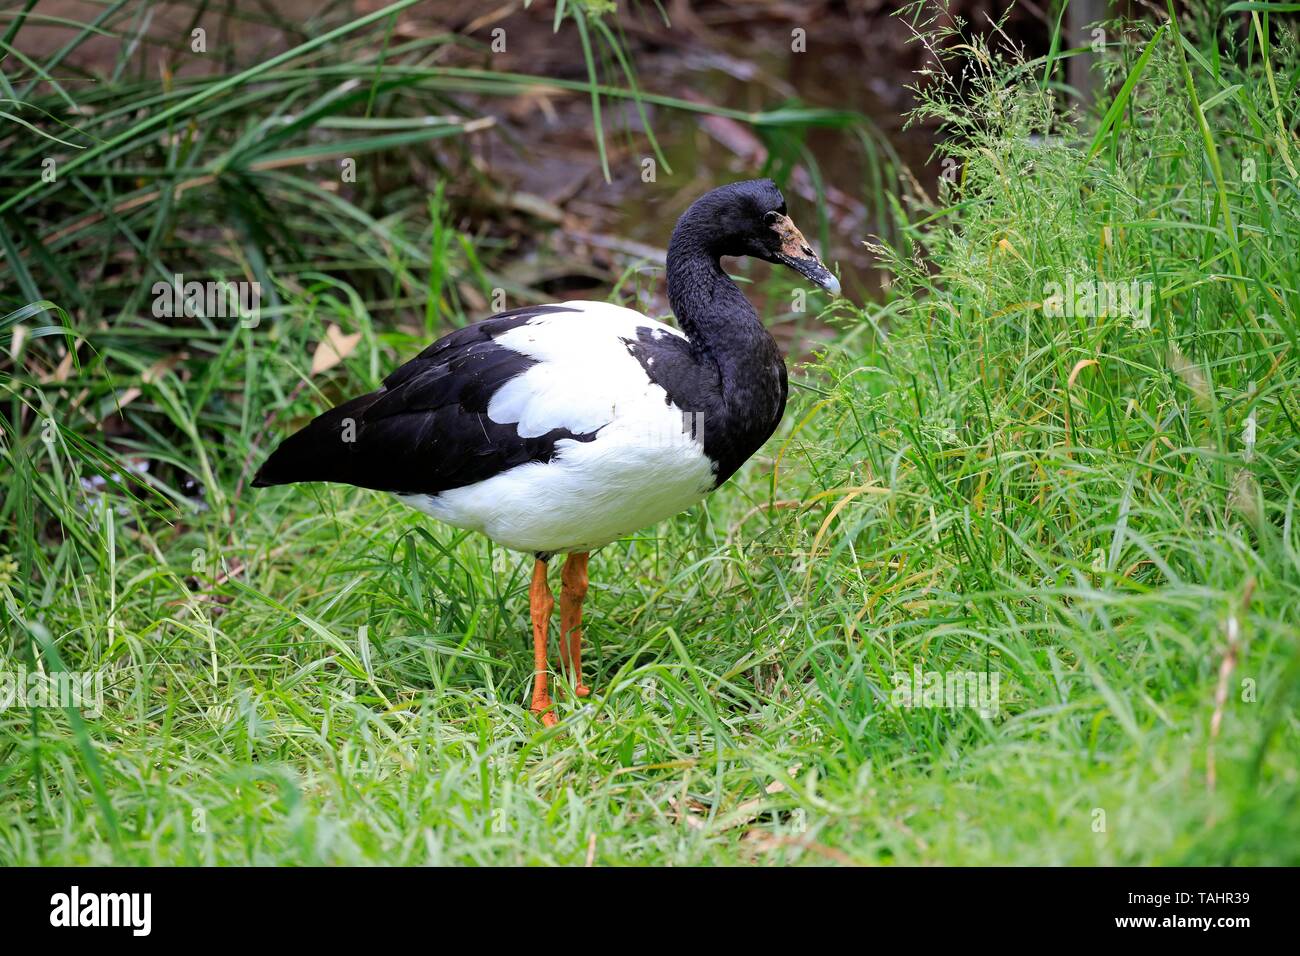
x=556, y=429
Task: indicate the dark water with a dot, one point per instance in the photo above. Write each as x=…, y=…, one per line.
x=855, y=57
x=846, y=64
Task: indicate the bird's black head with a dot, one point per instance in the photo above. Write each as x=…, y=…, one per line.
x=749, y=219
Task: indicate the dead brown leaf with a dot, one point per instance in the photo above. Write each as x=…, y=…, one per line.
x=333, y=349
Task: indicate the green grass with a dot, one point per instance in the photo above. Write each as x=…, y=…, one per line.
x=316, y=675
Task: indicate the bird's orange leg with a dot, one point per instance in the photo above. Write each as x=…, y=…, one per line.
x=572, y=592
x=540, y=604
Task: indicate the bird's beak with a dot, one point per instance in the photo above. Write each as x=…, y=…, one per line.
x=799, y=256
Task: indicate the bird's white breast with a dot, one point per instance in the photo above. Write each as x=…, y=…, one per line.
x=645, y=463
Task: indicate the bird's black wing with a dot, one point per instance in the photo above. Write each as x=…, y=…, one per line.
x=426, y=429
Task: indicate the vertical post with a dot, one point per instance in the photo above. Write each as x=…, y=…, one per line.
x=1080, y=16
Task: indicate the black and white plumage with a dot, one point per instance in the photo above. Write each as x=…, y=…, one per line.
x=561, y=428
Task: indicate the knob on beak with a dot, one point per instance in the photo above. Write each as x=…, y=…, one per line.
x=799, y=256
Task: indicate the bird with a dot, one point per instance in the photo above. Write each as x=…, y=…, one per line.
x=557, y=429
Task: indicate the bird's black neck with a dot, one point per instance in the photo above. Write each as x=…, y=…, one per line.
x=715, y=315
x=725, y=333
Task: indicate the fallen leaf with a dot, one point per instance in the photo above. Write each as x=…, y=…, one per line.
x=149, y=376
x=334, y=348
x=64, y=369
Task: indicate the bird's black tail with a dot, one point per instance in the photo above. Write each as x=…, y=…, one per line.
x=327, y=449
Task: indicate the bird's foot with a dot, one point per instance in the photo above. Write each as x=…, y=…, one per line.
x=579, y=689
x=543, y=708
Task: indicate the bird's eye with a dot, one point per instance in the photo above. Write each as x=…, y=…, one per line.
x=771, y=217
